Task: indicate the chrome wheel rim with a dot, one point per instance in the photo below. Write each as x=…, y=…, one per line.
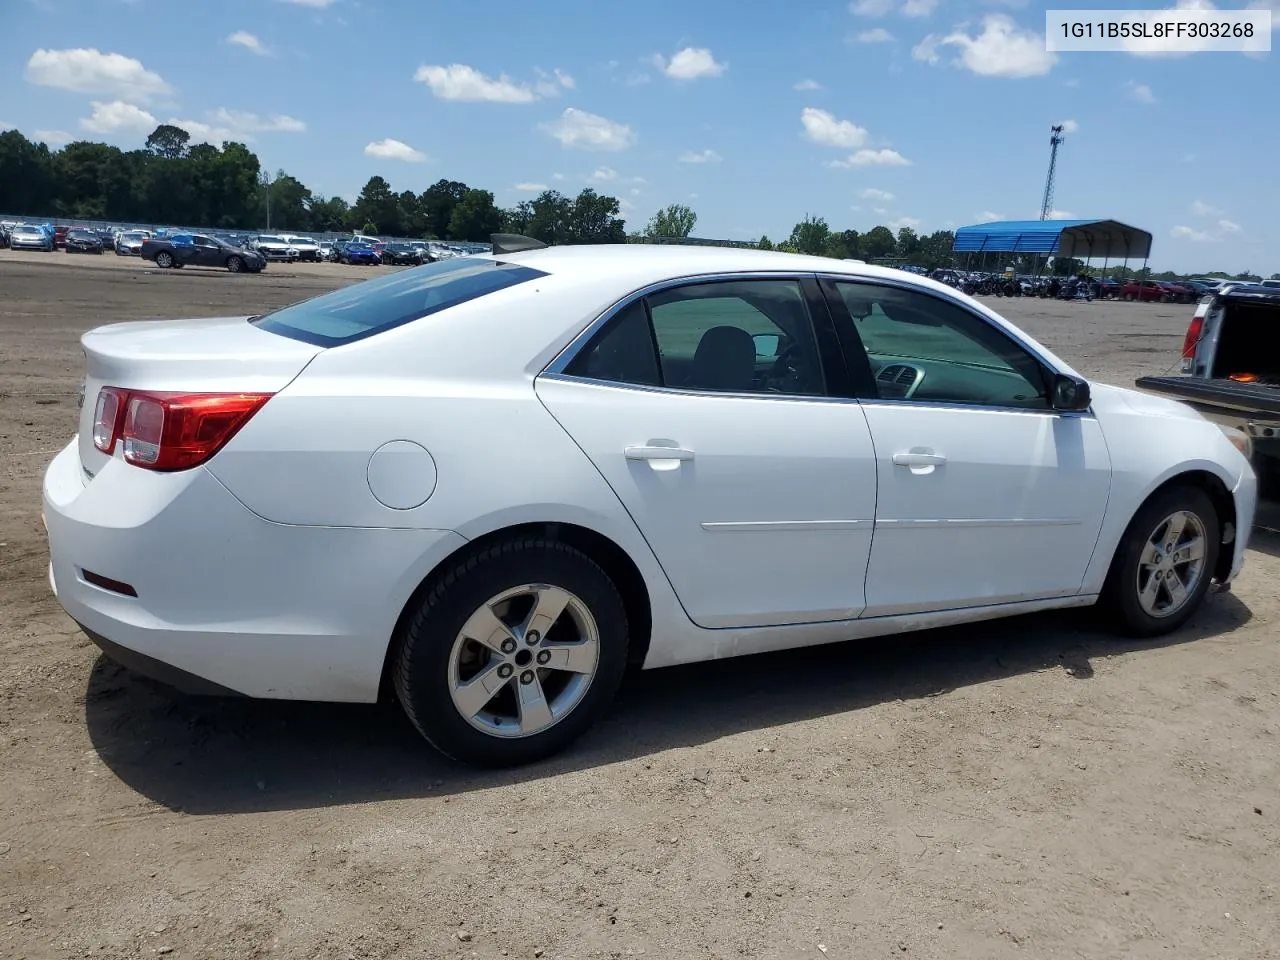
x=1171, y=564
x=524, y=660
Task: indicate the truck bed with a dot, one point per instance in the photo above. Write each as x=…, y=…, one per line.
x=1223, y=395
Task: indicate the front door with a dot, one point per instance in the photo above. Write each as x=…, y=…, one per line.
x=705, y=408
x=987, y=494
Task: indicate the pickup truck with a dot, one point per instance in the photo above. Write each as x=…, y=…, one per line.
x=200, y=250
x=1231, y=370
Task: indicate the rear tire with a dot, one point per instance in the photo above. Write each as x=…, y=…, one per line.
x=546, y=681
x=1152, y=590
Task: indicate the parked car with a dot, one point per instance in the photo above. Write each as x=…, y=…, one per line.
x=273, y=247
x=402, y=254
x=1146, y=290
x=493, y=482
x=326, y=251
x=1231, y=369
x=307, y=248
x=130, y=243
x=83, y=241
x=354, y=253
x=26, y=237
x=201, y=250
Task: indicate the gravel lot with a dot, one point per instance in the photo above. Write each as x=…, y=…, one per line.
x=1027, y=788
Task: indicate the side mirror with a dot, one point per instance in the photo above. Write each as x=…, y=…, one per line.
x=1070, y=393
x=766, y=344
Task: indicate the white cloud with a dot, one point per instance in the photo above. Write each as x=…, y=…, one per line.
x=531, y=187
x=579, y=130
x=54, y=138
x=872, y=158
x=881, y=211
x=914, y=9
x=1141, y=92
x=1061, y=215
x=909, y=222
x=822, y=127
x=554, y=83
x=243, y=38
x=1227, y=226
x=458, y=81
x=700, y=156
x=807, y=85
x=1190, y=233
x=6, y=125
x=557, y=176
x=987, y=216
x=390, y=149
x=871, y=193
x=1002, y=49
x=93, y=72
x=875, y=35
x=691, y=63
x=240, y=122
x=313, y=4
x=1201, y=209
x=118, y=117
x=202, y=132
x=1069, y=126
x=603, y=174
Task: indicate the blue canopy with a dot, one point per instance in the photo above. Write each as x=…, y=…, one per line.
x=1081, y=239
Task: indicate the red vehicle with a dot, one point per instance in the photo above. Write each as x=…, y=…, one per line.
x=1147, y=290
x=59, y=236
x=1180, y=293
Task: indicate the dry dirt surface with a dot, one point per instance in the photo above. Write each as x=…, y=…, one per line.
x=1030, y=788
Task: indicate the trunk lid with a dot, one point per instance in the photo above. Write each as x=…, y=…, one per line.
x=213, y=355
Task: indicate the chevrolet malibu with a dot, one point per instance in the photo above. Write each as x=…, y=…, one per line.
x=489, y=484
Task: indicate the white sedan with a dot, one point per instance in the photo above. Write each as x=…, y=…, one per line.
x=491, y=483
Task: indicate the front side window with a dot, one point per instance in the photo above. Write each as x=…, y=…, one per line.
x=923, y=348
x=743, y=336
x=364, y=309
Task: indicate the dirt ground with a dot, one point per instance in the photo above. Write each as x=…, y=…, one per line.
x=1027, y=788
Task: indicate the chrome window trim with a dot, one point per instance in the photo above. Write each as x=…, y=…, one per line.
x=570, y=352
x=948, y=298
x=555, y=370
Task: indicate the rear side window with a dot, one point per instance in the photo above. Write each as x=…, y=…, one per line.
x=373, y=306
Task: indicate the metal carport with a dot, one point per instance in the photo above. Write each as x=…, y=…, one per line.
x=1081, y=239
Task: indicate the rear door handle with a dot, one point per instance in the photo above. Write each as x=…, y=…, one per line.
x=659, y=457
x=919, y=459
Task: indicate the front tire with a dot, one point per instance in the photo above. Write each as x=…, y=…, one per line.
x=1164, y=563
x=235, y=264
x=512, y=653
x=164, y=260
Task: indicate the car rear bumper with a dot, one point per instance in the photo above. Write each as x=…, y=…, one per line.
x=225, y=600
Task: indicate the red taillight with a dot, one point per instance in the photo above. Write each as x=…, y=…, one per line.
x=106, y=419
x=1193, y=337
x=170, y=431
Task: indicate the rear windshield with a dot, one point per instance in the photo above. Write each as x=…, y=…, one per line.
x=364, y=309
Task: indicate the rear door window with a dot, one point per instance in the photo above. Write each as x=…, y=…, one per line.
x=364, y=309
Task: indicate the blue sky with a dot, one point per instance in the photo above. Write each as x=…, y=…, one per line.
x=928, y=113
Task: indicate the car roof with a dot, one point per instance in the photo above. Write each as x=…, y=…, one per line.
x=645, y=263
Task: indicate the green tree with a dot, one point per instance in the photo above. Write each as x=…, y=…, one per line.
x=677, y=220
x=764, y=243
x=908, y=244
x=811, y=235
x=377, y=205
x=878, y=242
x=168, y=141
x=27, y=179
x=328, y=214
x=436, y=206
x=549, y=215
x=593, y=218
x=475, y=216
x=844, y=245
x=290, y=204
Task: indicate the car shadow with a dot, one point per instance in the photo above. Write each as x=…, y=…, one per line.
x=202, y=755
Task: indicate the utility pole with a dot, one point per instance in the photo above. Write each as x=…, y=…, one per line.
x=1055, y=141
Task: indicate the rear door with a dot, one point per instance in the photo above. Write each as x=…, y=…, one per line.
x=718, y=413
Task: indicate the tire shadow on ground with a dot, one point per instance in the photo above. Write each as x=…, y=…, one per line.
x=205, y=755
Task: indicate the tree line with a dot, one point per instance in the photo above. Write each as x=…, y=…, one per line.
x=172, y=181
